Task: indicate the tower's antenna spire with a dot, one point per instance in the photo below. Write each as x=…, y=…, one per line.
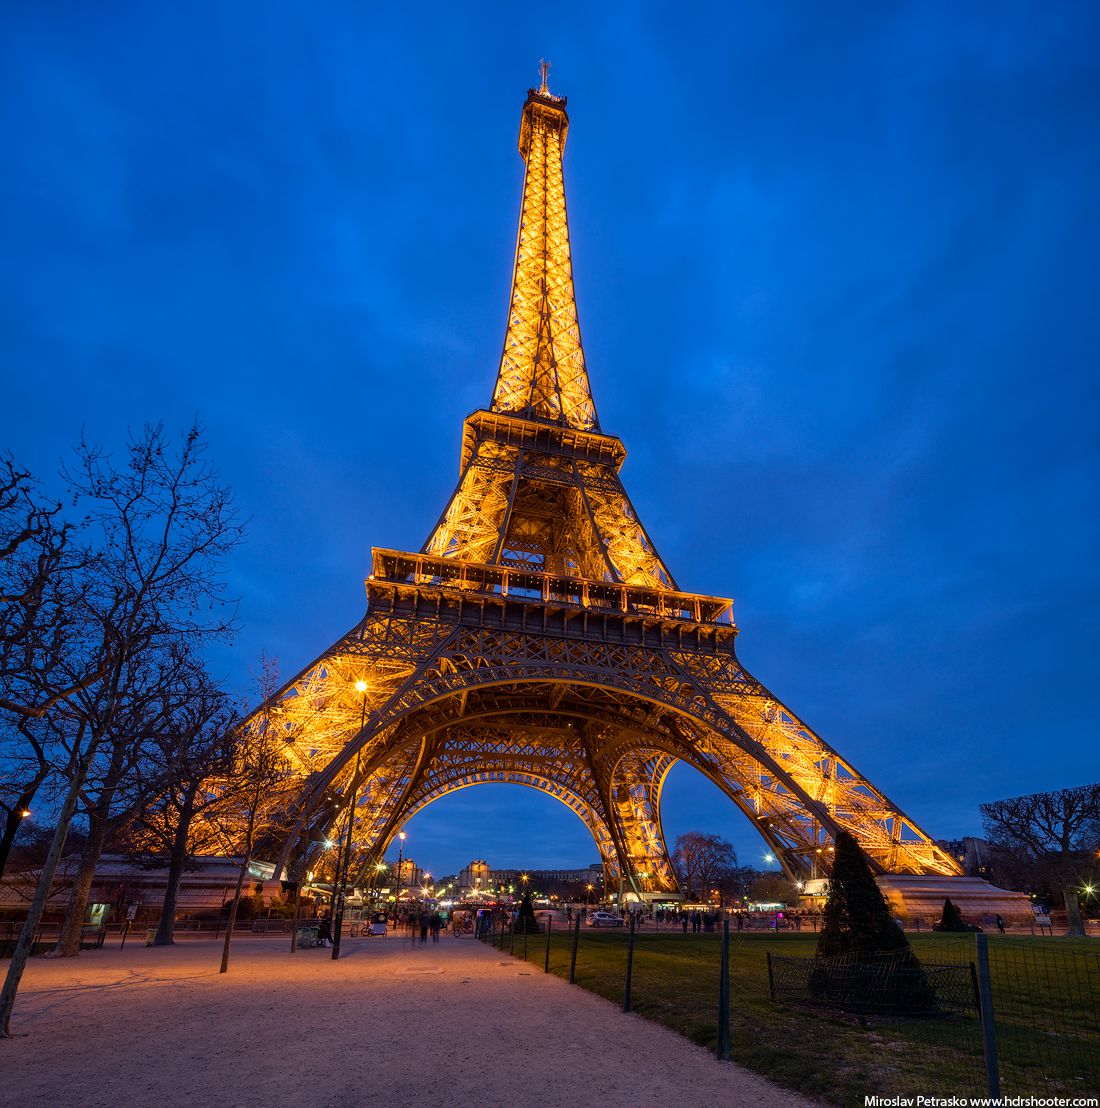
x=544, y=69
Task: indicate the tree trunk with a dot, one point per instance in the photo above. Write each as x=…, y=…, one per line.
x=295, y=919
x=167, y=926
x=1073, y=913
x=68, y=941
x=233, y=912
x=99, y=823
x=38, y=904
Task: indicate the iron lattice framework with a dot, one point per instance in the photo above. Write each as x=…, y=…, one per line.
x=539, y=639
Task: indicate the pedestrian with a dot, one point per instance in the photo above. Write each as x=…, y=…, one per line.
x=324, y=931
x=684, y=922
x=425, y=923
x=435, y=925
x=1000, y=924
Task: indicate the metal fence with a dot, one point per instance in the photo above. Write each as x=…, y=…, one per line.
x=980, y=1015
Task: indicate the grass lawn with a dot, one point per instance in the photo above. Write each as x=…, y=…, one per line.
x=1046, y=996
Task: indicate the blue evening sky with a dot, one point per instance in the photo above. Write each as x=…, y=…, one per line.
x=837, y=267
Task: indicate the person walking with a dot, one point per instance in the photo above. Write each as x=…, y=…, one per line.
x=425, y=923
x=435, y=926
x=1000, y=924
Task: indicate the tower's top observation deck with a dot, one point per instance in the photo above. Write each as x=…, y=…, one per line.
x=542, y=370
x=542, y=107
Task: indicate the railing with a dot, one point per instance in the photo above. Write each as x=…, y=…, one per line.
x=480, y=579
x=968, y=1017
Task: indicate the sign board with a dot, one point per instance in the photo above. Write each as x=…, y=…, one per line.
x=131, y=912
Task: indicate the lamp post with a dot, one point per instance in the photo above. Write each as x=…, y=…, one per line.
x=400, y=872
x=343, y=861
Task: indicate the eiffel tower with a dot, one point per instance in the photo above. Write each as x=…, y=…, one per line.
x=539, y=639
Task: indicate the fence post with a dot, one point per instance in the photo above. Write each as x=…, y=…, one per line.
x=771, y=979
x=722, y=1047
x=502, y=918
x=989, y=1026
x=546, y=963
x=629, y=964
x=573, y=956
x=512, y=937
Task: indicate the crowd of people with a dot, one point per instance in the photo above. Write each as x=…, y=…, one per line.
x=424, y=921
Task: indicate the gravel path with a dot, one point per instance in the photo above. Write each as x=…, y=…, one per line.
x=390, y=1023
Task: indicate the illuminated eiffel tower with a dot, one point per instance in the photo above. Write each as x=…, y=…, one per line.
x=539, y=639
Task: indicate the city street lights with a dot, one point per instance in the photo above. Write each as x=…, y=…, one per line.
x=343, y=861
x=379, y=869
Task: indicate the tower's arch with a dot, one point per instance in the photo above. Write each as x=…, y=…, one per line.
x=602, y=746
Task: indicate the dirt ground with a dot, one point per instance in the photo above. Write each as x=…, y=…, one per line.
x=391, y=1022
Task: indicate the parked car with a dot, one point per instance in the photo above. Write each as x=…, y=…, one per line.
x=605, y=919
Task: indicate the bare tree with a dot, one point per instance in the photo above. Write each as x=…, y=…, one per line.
x=702, y=863
x=255, y=793
x=159, y=529
x=1054, y=833
x=24, y=756
x=33, y=540
x=33, y=637
x=185, y=761
x=773, y=887
x=120, y=781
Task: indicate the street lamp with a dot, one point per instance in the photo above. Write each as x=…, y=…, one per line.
x=400, y=867
x=344, y=858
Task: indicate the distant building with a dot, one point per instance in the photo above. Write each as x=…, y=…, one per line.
x=410, y=877
x=120, y=883
x=478, y=878
x=475, y=878
x=973, y=854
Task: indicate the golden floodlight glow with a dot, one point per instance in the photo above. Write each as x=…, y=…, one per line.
x=537, y=638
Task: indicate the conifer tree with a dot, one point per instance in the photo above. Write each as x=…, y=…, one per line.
x=881, y=974
x=527, y=921
x=951, y=920
x=857, y=919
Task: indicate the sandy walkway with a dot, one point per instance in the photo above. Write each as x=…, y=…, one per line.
x=390, y=1023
